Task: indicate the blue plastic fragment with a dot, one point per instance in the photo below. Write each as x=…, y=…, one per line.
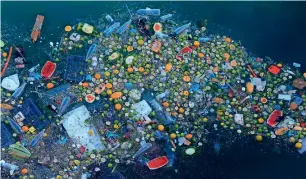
x=297, y=100
x=195, y=87
x=6, y=136
x=88, y=77
x=76, y=68
x=204, y=39
x=142, y=149
x=148, y=12
x=297, y=65
x=129, y=85
x=276, y=107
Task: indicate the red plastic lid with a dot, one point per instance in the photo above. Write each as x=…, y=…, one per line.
x=274, y=69
x=48, y=69
x=157, y=163
x=272, y=120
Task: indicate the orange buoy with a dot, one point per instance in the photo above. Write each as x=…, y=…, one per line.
x=227, y=39
x=201, y=55
x=141, y=69
x=166, y=104
x=108, y=85
x=186, y=93
x=85, y=85
x=130, y=48
x=196, y=43
x=4, y=54
x=50, y=85
x=186, y=78
x=25, y=128
x=261, y=120
x=118, y=106
x=264, y=100
x=97, y=76
x=189, y=136
x=68, y=28
x=24, y=171
x=160, y=127
x=130, y=69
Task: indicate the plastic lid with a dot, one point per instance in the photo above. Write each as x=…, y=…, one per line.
x=190, y=151
x=2, y=43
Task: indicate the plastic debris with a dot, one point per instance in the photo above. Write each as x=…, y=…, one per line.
x=65, y=103
x=12, y=168
x=10, y=83
x=90, y=51
x=166, y=17
x=15, y=126
x=109, y=18
x=144, y=92
x=37, y=138
x=124, y=27
x=111, y=29
x=87, y=28
x=180, y=29
x=74, y=123
x=149, y=12
x=297, y=65
x=157, y=163
x=19, y=151
x=190, y=151
x=144, y=146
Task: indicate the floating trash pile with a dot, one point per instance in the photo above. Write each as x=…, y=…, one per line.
x=141, y=91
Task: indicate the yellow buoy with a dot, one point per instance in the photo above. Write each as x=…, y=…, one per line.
x=172, y=136
x=298, y=145
x=258, y=138
x=279, y=65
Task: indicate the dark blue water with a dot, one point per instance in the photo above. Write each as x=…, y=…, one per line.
x=274, y=29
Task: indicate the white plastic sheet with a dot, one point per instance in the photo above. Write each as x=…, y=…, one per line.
x=74, y=123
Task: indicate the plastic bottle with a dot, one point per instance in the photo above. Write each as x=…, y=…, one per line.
x=109, y=18
x=163, y=95
x=9, y=166
x=149, y=12
x=161, y=35
x=160, y=114
x=166, y=17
